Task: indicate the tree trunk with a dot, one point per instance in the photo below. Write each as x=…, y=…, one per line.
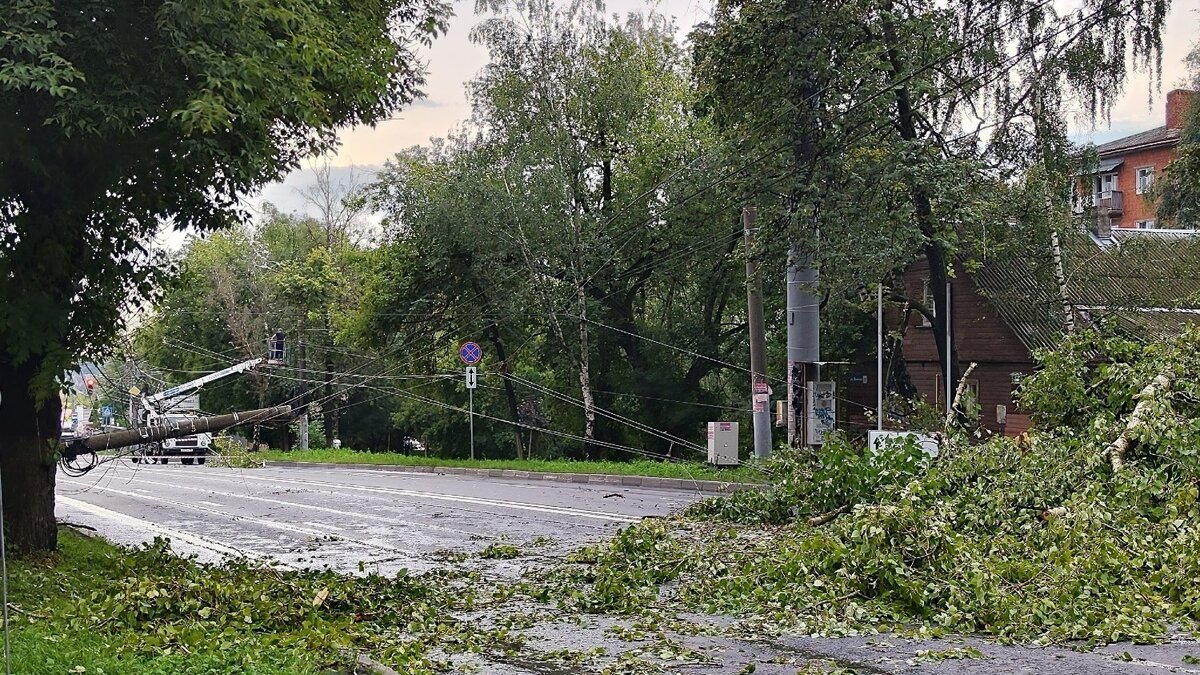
x=28, y=434
x=585, y=386
x=493, y=333
x=1117, y=450
x=935, y=250
x=1060, y=278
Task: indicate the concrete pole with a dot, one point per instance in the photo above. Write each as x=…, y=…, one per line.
x=760, y=400
x=170, y=429
x=303, y=419
x=879, y=356
x=803, y=339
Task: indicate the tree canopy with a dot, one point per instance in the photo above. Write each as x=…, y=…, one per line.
x=119, y=117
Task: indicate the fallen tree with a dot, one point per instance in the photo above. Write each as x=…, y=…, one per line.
x=1045, y=541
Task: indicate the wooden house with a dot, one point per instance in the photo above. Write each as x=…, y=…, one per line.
x=1144, y=284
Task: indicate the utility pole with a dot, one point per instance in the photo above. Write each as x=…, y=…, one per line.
x=803, y=339
x=759, y=391
x=303, y=394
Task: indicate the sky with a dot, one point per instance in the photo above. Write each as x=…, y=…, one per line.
x=454, y=59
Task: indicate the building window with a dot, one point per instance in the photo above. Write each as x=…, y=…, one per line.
x=1106, y=184
x=1145, y=179
x=1145, y=224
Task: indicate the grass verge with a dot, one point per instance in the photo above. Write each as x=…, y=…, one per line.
x=655, y=469
x=100, y=609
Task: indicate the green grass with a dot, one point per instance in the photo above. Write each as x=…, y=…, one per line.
x=685, y=470
x=100, y=609
x=58, y=623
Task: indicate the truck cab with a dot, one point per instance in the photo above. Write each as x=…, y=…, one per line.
x=190, y=449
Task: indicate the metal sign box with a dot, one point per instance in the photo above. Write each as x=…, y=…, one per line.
x=723, y=443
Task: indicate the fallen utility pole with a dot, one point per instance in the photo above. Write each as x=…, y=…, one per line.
x=169, y=429
x=759, y=390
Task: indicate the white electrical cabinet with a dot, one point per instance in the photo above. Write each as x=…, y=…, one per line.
x=723, y=443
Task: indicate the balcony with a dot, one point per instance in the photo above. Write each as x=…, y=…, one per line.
x=1111, y=203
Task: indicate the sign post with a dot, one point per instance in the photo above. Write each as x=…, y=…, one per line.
x=470, y=353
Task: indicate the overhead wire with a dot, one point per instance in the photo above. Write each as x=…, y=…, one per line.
x=658, y=216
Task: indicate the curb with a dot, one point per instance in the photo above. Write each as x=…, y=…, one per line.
x=713, y=486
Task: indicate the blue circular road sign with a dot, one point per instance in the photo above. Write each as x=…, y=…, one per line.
x=470, y=353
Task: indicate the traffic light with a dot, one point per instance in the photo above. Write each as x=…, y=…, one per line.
x=90, y=383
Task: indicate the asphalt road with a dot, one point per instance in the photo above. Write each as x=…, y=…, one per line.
x=317, y=517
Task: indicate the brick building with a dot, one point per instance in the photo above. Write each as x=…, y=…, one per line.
x=1144, y=284
x=1113, y=192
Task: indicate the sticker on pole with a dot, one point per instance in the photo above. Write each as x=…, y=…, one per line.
x=470, y=353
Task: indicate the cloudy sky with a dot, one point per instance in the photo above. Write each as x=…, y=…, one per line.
x=453, y=60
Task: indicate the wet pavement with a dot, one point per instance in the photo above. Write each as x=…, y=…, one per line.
x=338, y=518
x=355, y=520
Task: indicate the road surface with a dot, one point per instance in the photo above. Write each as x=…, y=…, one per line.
x=318, y=517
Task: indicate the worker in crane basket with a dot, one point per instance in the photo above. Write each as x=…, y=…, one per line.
x=277, y=345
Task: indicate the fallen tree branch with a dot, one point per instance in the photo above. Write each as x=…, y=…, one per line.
x=826, y=601
x=1117, y=450
x=1055, y=512
x=958, y=394
x=828, y=516
x=18, y=610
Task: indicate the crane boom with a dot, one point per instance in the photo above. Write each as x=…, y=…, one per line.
x=195, y=385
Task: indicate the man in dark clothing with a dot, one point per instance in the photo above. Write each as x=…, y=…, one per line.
x=277, y=345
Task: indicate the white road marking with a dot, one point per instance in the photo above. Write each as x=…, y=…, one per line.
x=201, y=501
x=322, y=526
x=154, y=528
x=369, y=516
x=307, y=532
x=480, y=501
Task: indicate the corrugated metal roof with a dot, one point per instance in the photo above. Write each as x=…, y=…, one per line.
x=1155, y=135
x=1142, y=283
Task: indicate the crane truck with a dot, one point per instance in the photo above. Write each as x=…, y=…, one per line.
x=172, y=407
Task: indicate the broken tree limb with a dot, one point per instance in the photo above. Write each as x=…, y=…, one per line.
x=1055, y=512
x=958, y=394
x=828, y=516
x=1120, y=446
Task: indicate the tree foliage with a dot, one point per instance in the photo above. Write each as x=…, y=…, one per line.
x=120, y=116
x=1178, y=190
x=559, y=229
x=895, y=129
x=237, y=287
